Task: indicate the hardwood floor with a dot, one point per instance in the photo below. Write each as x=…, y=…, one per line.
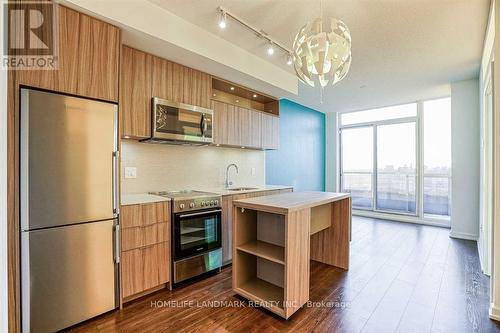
x=403, y=278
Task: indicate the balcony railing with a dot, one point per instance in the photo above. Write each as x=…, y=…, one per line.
x=396, y=191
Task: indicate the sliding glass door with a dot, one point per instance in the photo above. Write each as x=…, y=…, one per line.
x=398, y=159
x=357, y=165
x=396, y=168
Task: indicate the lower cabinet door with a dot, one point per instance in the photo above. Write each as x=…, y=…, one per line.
x=132, y=277
x=145, y=268
x=163, y=254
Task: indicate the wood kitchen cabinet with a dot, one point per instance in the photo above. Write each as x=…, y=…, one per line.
x=135, y=89
x=242, y=127
x=178, y=83
x=145, y=245
x=99, y=49
x=88, y=59
x=227, y=218
x=250, y=123
x=270, y=131
x=226, y=124
x=144, y=76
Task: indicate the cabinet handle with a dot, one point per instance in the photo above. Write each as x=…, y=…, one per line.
x=117, y=247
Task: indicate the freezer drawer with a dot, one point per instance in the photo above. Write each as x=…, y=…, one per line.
x=68, y=275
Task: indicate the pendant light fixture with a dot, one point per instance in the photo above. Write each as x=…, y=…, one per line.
x=322, y=56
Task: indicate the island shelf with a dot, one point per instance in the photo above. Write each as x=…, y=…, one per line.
x=274, y=239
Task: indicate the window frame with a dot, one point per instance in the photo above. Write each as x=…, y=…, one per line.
x=419, y=215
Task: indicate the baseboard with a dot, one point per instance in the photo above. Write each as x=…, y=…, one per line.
x=494, y=312
x=463, y=235
x=400, y=218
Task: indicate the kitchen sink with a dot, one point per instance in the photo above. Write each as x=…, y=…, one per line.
x=238, y=189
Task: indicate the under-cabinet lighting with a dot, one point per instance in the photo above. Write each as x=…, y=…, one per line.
x=254, y=95
x=232, y=88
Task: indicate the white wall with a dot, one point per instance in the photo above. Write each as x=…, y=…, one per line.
x=331, y=159
x=495, y=280
x=3, y=188
x=465, y=159
x=171, y=167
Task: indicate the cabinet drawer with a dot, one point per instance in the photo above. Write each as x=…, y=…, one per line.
x=144, y=214
x=145, y=268
x=137, y=237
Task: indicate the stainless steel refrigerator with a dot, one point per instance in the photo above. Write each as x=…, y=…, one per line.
x=69, y=209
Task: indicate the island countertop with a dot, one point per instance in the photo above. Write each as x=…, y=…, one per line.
x=287, y=202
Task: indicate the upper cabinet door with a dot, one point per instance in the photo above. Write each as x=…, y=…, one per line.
x=250, y=128
x=135, y=93
x=69, y=28
x=98, y=52
x=270, y=131
x=162, y=79
x=226, y=124
x=182, y=84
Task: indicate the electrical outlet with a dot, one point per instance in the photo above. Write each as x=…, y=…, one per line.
x=130, y=172
x=252, y=171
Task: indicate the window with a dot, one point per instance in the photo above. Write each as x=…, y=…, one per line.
x=368, y=116
x=396, y=167
x=437, y=157
x=380, y=164
x=357, y=146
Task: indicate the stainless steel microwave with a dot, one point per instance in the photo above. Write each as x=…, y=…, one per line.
x=174, y=122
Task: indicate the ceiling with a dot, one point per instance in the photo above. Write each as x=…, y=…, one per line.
x=402, y=50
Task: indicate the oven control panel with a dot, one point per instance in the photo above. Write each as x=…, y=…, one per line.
x=186, y=205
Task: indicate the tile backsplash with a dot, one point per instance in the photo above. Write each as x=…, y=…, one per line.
x=172, y=167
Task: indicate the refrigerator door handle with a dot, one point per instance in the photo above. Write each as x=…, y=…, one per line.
x=116, y=208
x=116, y=247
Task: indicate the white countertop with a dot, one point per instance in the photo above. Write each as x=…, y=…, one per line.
x=257, y=188
x=141, y=198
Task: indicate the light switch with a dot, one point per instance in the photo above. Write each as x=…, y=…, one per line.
x=130, y=172
x=252, y=171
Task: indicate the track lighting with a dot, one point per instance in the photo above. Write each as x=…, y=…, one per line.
x=222, y=20
x=270, y=49
x=272, y=44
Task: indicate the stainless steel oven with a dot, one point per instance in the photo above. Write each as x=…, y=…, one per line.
x=196, y=233
x=174, y=122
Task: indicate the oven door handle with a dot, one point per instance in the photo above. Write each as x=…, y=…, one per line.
x=200, y=213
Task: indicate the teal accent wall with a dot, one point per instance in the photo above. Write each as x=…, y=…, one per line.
x=300, y=160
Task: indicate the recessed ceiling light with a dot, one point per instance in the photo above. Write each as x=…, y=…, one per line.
x=254, y=95
x=232, y=88
x=237, y=101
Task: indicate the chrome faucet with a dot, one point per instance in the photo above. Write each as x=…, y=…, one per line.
x=229, y=183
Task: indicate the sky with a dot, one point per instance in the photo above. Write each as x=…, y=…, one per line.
x=397, y=142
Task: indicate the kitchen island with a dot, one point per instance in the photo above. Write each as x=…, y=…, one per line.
x=274, y=239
